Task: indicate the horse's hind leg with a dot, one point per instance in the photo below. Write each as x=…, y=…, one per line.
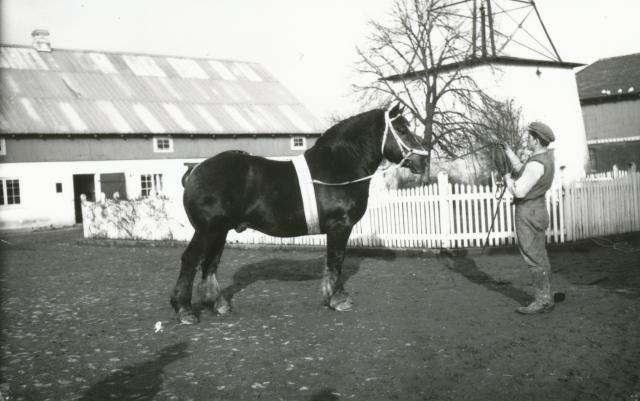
x=333, y=291
x=209, y=288
x=181, y=297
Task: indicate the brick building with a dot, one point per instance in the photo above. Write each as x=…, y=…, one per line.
x=609, y=92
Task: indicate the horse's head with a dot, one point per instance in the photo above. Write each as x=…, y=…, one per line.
x=400, y=145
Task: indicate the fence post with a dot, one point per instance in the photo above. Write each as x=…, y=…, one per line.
x=443, y=207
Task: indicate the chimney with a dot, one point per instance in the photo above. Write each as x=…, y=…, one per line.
x=41, y=40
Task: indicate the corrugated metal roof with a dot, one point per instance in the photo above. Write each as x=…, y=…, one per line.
x=610, y=77
x=81, y=92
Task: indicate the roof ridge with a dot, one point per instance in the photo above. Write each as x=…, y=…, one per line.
x=614, y=57
x=597, y=64
x=129, y=53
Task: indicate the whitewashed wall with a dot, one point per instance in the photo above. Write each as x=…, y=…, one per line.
x=41, y=206
x=551, y=97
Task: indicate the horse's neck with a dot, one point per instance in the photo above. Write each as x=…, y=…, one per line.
x=358, y=150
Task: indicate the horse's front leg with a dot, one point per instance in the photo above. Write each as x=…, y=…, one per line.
x=333, y=292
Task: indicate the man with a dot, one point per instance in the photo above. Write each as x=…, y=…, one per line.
x=532, y=218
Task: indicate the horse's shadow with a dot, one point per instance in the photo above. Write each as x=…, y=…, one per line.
x=289, y=270
x=284, y=270
x=141, y=381
x=460, y=262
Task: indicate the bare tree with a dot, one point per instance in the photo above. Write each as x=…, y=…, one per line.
x=418, y=58
x=500, y=121
x=494, y=121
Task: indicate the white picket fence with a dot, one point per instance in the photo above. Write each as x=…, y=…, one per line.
x=606, y=175
x=445, y=215
x=604, y=207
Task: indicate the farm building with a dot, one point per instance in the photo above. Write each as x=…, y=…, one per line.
x=78, y=122
x=610, y=99
x=511, y=57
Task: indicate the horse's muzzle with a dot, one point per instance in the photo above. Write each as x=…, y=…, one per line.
x=417, y=164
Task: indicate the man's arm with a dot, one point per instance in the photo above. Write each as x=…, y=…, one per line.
x=513, y=158
x=531, y=174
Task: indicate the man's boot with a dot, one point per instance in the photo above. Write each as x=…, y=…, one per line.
x=543, y=301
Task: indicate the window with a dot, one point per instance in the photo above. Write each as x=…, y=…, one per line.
x=150, y=184
x=162, y=145
x=298, y=142
x=9, y=192
x=58, y=187
x=3, y=147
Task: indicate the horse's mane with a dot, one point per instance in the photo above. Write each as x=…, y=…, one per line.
x=350, y=133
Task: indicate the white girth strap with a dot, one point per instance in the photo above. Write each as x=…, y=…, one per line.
x=308, y=194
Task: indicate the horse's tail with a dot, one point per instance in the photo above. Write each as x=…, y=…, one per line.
x=190, y=168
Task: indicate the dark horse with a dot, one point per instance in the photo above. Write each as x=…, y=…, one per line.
x=234, y=190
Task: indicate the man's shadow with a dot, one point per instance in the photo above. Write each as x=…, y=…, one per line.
x=141, y=381
x=292, y=270
x=461, y=263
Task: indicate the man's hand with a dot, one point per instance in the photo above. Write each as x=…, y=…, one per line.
x=508, y=149
x=511, y=155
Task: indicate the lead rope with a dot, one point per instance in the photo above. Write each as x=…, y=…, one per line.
x=502, y=169
x=395, y=166
x=493, y=219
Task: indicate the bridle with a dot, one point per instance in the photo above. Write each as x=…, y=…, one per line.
x=406, y=150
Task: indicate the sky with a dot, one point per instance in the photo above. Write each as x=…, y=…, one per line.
x=309, y=45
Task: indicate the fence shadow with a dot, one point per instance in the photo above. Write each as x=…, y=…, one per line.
x=460, y=262
x=141, y=381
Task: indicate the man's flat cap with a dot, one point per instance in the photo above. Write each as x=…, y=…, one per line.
x=542, y=130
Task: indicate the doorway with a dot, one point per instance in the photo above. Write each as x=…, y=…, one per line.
x=83, y=184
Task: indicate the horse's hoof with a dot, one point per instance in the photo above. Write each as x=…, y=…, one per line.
x=185, y=317
x=341, y=303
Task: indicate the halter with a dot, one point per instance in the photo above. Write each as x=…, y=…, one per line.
x=405, y=150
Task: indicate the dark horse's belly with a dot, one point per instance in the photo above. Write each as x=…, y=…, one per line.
x=237, y=190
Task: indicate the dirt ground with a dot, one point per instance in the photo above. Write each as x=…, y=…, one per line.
x=78, y=323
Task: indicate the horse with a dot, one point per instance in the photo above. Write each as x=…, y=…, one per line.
x=235, y=190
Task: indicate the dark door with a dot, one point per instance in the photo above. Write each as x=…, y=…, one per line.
x=83, y=184
x=112, y=183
